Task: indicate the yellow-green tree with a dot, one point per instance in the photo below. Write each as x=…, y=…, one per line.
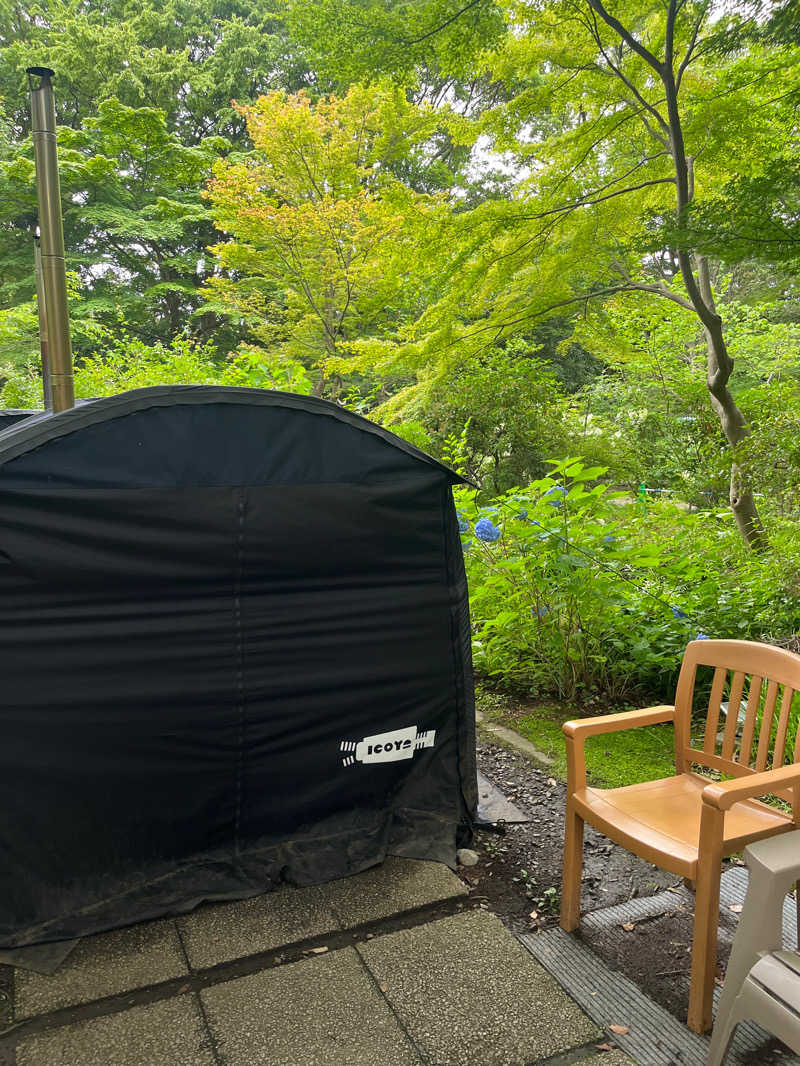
x=629, y=127
x=324, y=237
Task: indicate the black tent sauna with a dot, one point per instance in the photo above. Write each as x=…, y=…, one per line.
x=234, y=646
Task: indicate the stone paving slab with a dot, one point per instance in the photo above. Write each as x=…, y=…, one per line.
x=457, y=991
x=493, y=805
x=511, y=739
x=469, y=994
x=225, y=931
x=395, y=886
x=171, y=1033
x=104, y=965
x=324, y=1011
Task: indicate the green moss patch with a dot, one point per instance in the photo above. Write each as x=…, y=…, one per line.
x=613, y=760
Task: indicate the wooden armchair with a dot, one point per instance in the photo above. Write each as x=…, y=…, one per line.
x=687, y=824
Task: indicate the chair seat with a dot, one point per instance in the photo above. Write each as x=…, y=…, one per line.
x=660, y=820
x=778, y=975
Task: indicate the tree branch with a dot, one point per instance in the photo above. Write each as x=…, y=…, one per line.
x=595, y=143
x=566, y=208
x=627, y=37
x=617, y=69
x=690, y=49
x=662, y=290
x=669, y=37
x=683, y=192
x=584, y=298
x=656, y=137
x=443, y=25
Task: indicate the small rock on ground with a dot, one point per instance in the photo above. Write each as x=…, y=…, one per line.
x=466, y=857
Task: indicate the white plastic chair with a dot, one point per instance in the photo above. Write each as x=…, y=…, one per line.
x=763, y=981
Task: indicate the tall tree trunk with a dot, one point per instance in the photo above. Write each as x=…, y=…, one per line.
x=701, y=294
x=731, y=419
x=698, y=286
x=329, y=338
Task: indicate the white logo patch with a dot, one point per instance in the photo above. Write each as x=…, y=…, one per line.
x=386, y=747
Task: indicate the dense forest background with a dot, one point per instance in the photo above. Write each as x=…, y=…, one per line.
x=554, y=242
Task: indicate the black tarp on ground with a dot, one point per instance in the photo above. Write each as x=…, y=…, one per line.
x=214, y=603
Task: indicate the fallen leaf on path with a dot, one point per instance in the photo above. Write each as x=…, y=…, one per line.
x=384, y=988
x=737, y=908
x=628, y=926
x=605, y=1047
x=318, y=951
x=619, y=1030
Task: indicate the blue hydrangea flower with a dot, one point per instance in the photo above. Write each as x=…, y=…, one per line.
x=521, y=514
x=538, y=612
x=678, y=613
x=702, y=636
x=556, y=491
x=463, y=524
x=609, y=539
x=486, y=530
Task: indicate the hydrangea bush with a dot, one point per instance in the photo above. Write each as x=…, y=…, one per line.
x=577, y=589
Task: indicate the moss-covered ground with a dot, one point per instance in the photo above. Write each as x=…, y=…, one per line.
x=613, y=760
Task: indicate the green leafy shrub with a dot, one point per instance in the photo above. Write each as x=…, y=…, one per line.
x=131, y=364
x=512, y=406
x=577, y=589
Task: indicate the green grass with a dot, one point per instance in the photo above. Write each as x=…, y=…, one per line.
x=614, y=760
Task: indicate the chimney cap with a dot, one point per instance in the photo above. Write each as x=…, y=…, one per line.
x=41, y=72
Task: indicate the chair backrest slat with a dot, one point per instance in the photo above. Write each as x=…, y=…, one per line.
x=714, y=700
x=732, y=719
x=748, y=729
x=783, y=725
x=766, y=732
x=731, y=769
x=766, y=726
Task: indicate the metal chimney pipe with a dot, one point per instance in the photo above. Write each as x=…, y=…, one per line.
x=40, y=305
x=57, y=349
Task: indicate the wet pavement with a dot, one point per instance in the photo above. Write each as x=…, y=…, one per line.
x=392, y=967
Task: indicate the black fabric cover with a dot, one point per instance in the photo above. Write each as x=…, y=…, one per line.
x=9, y=417
x=211, y=599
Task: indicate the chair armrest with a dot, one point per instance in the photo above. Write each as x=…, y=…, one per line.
x=723, y=794
x=614, y=723
x=778, y=856
x=576, y=732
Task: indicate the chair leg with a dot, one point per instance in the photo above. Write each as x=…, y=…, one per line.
x=760, y=931
x=721, y=1038
x=704, y=946
x=771, y=1013
x=573, y=868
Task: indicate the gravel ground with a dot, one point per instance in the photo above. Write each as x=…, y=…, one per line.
x=611, y=875
x=519, y=878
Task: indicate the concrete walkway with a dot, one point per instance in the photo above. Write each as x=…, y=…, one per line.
x=394, y=967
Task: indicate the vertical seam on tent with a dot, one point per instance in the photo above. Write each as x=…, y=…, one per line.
x=459, y=680
x=237, y=621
